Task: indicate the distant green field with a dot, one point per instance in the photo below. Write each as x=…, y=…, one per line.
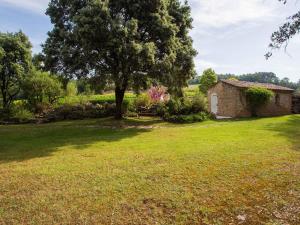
x=191, y=90
x=100, y=98
x=129, y=96
x=145, y=171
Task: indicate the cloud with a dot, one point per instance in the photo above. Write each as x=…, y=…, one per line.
x=223, y=13
x=38, y=6
x=212, y=13
x=205, y=64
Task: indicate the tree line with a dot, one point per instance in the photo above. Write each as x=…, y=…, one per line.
x=263, y=77
x=260, y=77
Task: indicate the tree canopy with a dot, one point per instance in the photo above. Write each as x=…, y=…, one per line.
x=285, y=32
x=127, y=42
x=15, y=62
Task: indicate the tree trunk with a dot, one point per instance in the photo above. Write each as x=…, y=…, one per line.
x=119, y=102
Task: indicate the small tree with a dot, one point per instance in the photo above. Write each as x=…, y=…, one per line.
x=207, y=80
x=15, y=60
x=258, y=97
x=71, y=89
x=41, y=87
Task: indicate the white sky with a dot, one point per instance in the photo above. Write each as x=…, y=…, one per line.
x=231, y=36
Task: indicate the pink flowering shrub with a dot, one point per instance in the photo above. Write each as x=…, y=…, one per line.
x=158, y=94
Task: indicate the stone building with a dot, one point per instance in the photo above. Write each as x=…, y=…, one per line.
x=296, y=104
x=227, y=99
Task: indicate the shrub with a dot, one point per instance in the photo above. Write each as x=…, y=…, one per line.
x=186, y=105
x=23, y=115
x=131, y=114
x=162, y=110
x=191, y=91
x=174, y=106
x=77, y=112
x=102, y=101
x=257, y=97
x=83, y=99
x=143, y=101
x=20, y=113
x=71, y=89
x=193, y=118
x=199, y=103
x=41, y=87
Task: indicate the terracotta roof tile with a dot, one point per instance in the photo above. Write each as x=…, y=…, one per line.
x=246, y=84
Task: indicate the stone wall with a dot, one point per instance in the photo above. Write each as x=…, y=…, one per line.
x=283, y=105
x=243, y=109
x=296, y=104
x=232, y=102
x=227, y=99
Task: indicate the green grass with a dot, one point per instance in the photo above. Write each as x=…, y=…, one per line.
x=150, y=172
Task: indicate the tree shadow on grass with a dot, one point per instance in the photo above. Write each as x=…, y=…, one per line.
x=246, y=119
x=288, y=128
x=24, y=142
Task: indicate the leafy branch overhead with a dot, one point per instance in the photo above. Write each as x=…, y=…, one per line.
x=285, y=33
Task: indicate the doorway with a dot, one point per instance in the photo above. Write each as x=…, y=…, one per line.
x=214, y=104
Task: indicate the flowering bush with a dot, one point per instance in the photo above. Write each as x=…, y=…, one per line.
x=158, y=94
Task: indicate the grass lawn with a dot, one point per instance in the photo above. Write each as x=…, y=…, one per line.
x=149, y=172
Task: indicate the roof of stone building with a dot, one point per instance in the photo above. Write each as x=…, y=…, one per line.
x=246, y=84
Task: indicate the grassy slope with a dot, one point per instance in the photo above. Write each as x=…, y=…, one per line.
x=209, y=173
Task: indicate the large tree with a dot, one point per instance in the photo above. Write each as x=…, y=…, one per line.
x=285, y=32
x=15, y=61
x=126, y=42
